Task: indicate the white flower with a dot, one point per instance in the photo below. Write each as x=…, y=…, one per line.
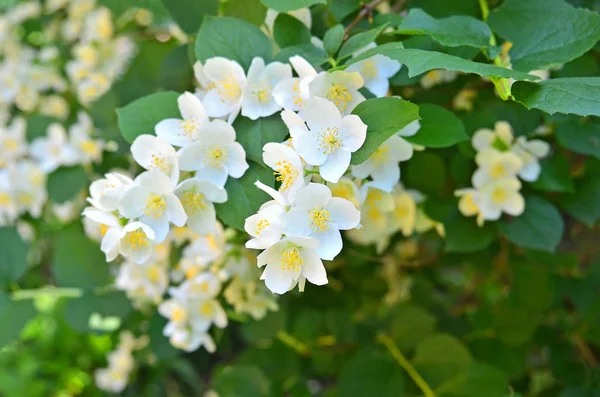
x=376, y=209
x=410, y=130
x=330, y=139
x=206, y=312
x=301, y=14
x=436, y=77
x=340, y=87
x=207, y=248
x=154, y=202
x=111, y=380
x=189, y=340
x=151, y=153
x=494, y=165
x=86, y=149
x=375, y=71
x=143, y=282
x=13, y=144
x=183, y=132
x=29, y=184
x=265, y=226
x=106, y=193
x=197, y=198
x=227, y=84
x=500, y=196
x=290, y=259
x=382, y=165
x=467, y=203
x=53, y=150
x=529, y=152
x=403, y=217
x=136, y=242
x=216, y=156
x=345, y=188
x=293, y=93
x=8, y=204
x=176, y=310
x=258, y=99
x=203, y=286
x=287, y=166
x=317, y=214
x=502, y=135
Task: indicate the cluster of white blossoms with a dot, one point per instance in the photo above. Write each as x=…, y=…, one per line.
x=502, y=160
x=115, y=377
x=34, y=77
x=24, y=165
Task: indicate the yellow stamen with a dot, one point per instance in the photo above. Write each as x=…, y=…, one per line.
x=192, y=272
x=262, y=225
x=160, y=162
x=178, y=314
x=153, y=274
x=298, y=101
x=286, y=174
x=215, y=156
x=369, y=69
x=10, y=144
x=499, y=195
x=103, y=229
x=206, y=309
x=228, y=88
x=339, y=94
x=136, y=239
x=291, y=259
x=330, y=140
x=155, y=206
x=193, y=202
x=319, y=219
x=498, y=170
x=89, y=147
x=381, y=156
x=190, y=127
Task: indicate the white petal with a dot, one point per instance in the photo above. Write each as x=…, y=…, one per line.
x=379, y=86
x=175, y=210
x=159, y=225
x=302, y=67
x=515, y=205
x=387, y=66
x=307, y=145
x=216, y=106
x=313, y=268
x=400, y=150
x=202, y=222
x=291, y=119
x=170, y=130
x=320, y=113
x=132, y=204
x=411, y=129
x=313, y=195
x=236, y=160
x=343, y=213
x=256, y=68
x=354, y=132
x=191, y=107
x=482, y=139
x=336, y=165
x=277, y=280
x=530, y=172
x=191, y=156
x=218, y=176
x=296, y=223
x=331, y=243
x=386, y=176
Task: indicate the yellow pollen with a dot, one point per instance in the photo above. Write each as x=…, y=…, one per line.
x=136, y=239
x=262, y=93
x=204, y=287
x=262, y=225
x=103, y=229
x=298, y=101
x=10, y=144
x=216, y=156
x=467, y=205
x=89, y=147
x=212, y=242
x=330, y=140
x=178, y=314
x=193, y=202
x=192, y=272
x=26, y=199
x=206, y=309
x=228, y=88
x=190, y=127
x=374, y=213
x=499, y=195
x=155, y=206
x=5, y=200
x=319, y=219
x=157, y=161
x=153, y=274
x=381, y=156
x=291, y=259
x=338, y=94
x=285, y=173
x=369, y=69
x=373, y=196
x=498, y=171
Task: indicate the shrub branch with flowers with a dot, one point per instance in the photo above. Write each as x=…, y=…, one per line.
x=429, y=167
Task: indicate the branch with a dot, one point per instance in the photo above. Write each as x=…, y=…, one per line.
x=366, y=11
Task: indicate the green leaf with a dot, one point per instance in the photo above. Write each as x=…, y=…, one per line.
x=252, y=11
x=141, y=116
x=410, y=325
x=371, y=372
x=481, y=380
x=38, y=125
x=244, y=198
x=66, y=182
x=290, y=5
x=342, y=8
x=540, y=226
x=555, y=175
x=314, y=55
x=441, y=359
x=425, y=163
x=254, y=134
x=263, y=331
x=463, y=235
x=545, y=33
x=189, y=13
x=384, y=117
x=89, y=312
x=453, y=31
x=289, y=31
x=233, y=39
x=159, y=343
x=13, y=255
x=585, y=204
x=580, y=138
x=241, y=381
x=77, y=261
x=514, y=326
x=439, y=128
x=359, y=41
x=333, y=39
x=420, y=61
x=579, y=96
x=120, y=6
x=16, y=315
x=176, y=72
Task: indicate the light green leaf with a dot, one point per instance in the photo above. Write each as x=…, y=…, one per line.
x=342, y=8
x=289, y=31
x=540, y=226
x=254, y=134
x=333, y=39
x=86, y=313
x=241, y=381
x=420, y=61
x=244, y=198
x=579, y=96
x=252, y=11
x=290, y=5
x=439, y=128
x=453, y=31
x=555, y=175
x=13, y=255
x=463, y=235
x=371, y=372
x=585, y=204
x=16, y=315
x=314, y=55
x=441, y=359
x=410, y=325
x=580, y=138
x=189, y=13
x=545, y=33
x=141, y=116
x=359, y=41
x=233, y=39
x=66, y=182
x=384, y=117
x=482, y=380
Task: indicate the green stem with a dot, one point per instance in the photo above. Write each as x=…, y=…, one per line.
x=485, y=11
x=292, y=342
x=405, y=364
x=47, y=291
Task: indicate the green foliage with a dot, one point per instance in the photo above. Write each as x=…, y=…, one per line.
x=141, y=116
x=66, y=182
x=580, y=138
x=439, y=128
x=17, y=314
x=333, y=39
x=359, y=41
x=253, y=135
x=252, y=11
x=13, y=255
x=189, y=13
x=241, y=381
x=289, y=31
x=290, y=5
x=464, y=235
x=97, y=312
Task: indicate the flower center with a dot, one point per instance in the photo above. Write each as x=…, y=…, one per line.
x=193, y=202
x=10, y=145
x=103, y=229
x=291, y=259
x=228, y=89
x=160, y=162
x=178, y=314
x=89, y=147
x=497, y=171
x=153, y=274
x=5, y=200
x=499, y=195
x=206, y=309
x=216, y=156
x=339, y=94
x=369, y=69
x=285, y=173
x=262, y=225
x=330, y=140
x=155, y=206
x=298, y=101
x=26, y=199
x=190, y=127
x=319, y=219
x=192, y=272
x=136, y=239
x=262, y=93
x=381, y=156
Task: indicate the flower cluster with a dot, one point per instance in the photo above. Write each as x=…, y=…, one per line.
x=115, y=377
x=501, y=161
x=33, y=75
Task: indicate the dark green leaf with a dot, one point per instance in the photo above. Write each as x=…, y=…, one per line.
x=539, y=227
x=87, y=313
x=159, y=343
x=252, y=11
x=38, y=125
x=585, y=204
x=555, y=175
x=253, y=135
x=439, y=128
x=189, y=13
x=13, y=255
x=410, y=325
x=425, y=163
x=441, y=359
x=342, y=8
x=452, y=31
x=176, y=72
x=289, y=31
x=290, y=5
x=16, y=314
x=314, y=55
x=333, y=39
x=481, y=380
x=141, y=116
x=241, y=381
x=463, y=235
x=580, y=138
x=359, y=41
x=66, y=182
x=384, y=117
x=545, y=33
x=233, y=39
